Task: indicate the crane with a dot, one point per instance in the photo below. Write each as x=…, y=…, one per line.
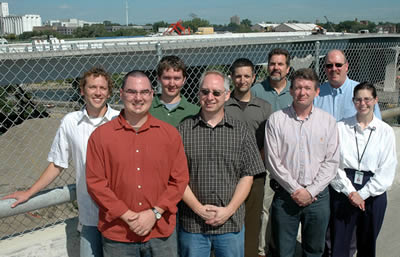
x=330, y=24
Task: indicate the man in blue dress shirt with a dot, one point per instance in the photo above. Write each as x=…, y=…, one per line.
x=335, y=96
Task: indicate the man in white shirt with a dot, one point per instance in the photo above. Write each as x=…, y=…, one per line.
x=71, y=142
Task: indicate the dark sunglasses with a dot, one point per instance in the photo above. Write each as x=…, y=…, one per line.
x=330, y=65
x=215, y=93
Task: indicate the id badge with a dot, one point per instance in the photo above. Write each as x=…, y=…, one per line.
x=358, y=177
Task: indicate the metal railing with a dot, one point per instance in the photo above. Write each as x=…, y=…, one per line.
x=38, y=89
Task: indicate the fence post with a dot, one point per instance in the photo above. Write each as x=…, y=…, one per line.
x=317, y=50
x=159, y=51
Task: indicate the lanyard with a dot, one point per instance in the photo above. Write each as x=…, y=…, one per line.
x=358, y=153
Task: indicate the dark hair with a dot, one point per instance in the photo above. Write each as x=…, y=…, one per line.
x=241, y=62
x=171, y=62
x=96, y=72
x=134, y=74
x=280, y=51
x=365, y=85
x=307, y=74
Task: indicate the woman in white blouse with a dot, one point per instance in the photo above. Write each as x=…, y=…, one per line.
x=367, y=168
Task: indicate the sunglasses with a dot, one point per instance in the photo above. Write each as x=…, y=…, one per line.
x=337, y=65
x=214, y=93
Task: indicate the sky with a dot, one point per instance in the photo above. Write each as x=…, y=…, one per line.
x=216, y=11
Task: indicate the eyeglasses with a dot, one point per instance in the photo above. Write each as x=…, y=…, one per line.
x=366, y=100
x=330, y=65
x=214, y=93
x=131, y=93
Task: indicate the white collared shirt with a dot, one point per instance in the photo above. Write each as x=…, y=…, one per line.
x=71, y=141
x=379, y=157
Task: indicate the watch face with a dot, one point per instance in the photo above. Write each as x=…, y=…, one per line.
x=158, y=216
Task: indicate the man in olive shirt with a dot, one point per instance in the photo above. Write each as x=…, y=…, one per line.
x=244, y=106
x=171, y=106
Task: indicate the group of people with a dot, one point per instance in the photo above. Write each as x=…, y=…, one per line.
x=165, y=177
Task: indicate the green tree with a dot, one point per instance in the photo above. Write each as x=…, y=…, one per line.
x=195, y=23
x=159, y=24
x=246, y=23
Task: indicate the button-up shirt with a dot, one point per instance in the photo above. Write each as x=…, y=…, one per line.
x=71, y=142
x=339, y=101
x=218, y=157
x=255, y=114
x=136, y=170
x=176, y=115
x=379, y=157
x=279, y=101
x=302, y=153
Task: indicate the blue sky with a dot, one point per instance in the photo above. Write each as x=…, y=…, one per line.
x=216, y=11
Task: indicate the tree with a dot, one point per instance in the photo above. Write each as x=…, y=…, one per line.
x=195, y=23
x=159, y=24
x=246, y=22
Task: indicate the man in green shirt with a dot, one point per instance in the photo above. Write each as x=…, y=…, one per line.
x=275, y=89
x=171, y=106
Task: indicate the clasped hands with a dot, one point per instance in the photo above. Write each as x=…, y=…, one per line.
x=141, y=223
x=302, y=197
x=214, y=215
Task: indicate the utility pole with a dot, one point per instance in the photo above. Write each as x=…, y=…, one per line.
x=126, y=13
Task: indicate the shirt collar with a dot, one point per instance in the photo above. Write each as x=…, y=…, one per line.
x=371, y=126
x=341, y=89
x=294, y=114
x=157, y=102
x=123, y=124
x=234, y=101
x=84, y=116
x=198, y=120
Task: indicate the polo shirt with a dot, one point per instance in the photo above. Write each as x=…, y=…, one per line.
x=254, y=115
x=279, y=101
x=176, y=115
x=70, y=142
x=136, y=170
x=338, y=101
x=218, y=157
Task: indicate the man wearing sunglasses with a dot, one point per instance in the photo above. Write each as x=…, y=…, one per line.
x=336, y=94
x=223, y=157
x=170, y=106
x=136, y=172
x=244, y=106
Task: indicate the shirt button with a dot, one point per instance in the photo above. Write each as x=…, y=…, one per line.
x=138, y=169
x=168, y=114
x=137, y=150
x=140, y=204
x=139, y=186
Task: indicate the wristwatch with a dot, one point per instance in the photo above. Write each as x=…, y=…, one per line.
x=158, y=215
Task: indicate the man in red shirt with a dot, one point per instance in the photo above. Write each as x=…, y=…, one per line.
x=137, y=172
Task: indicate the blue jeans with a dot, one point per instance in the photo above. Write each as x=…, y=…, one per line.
x=155, y=247
x=91, y=245
x=199, y=245
x=286, y=216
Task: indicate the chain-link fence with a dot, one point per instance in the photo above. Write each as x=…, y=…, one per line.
x=38, y=88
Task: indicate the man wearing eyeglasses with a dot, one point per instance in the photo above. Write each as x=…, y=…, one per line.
x=244, y=106
x=170, y=106
x=336, y=94
x=137, y=172
x=223, y=158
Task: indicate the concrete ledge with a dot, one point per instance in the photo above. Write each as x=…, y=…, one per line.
x=60, y=240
